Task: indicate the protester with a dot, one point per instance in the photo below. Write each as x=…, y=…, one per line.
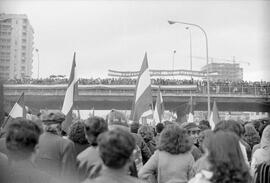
x=89, y=158
x=193, y=131
x=145, y=151
x=146, y=133
x=226, y=160
x=22, y=143
x=159, y=128
x=262, y=154
x=77, y=136
x=56, y=154
x=173, y=160
x=251, y=136
x=115, y=149
x=237, y=129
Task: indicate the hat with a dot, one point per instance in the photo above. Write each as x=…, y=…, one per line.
x=53, y=118
x=191, y=127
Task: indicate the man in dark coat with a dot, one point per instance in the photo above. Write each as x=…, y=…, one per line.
x=21, y=140
x=56, y=154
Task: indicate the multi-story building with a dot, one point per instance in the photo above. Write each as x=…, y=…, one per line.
x=16, y=46
x=225, y=71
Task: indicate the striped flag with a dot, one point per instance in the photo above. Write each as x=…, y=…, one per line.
x=214, y=117
x=143, y=93
x=191, y=112
x=159, y=108
x=70, y=95
x=18, y=110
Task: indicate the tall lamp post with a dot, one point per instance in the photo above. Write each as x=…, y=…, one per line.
x=38, y=62
x=174, y=51
x=206, y=44
x=190, y=48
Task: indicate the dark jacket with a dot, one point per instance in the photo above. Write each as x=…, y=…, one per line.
x=26, y=172
x=56, y=156
x=146, y=152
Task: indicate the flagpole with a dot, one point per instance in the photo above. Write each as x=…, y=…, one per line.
x=4, y=124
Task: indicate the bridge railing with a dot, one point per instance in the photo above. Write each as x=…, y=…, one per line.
x=129, y=90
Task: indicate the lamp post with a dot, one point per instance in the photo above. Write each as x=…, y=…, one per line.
x=206, y=44
x=38, y=62
x=174, y=51
x=190, y=48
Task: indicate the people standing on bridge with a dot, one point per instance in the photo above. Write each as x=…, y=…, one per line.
x=56, y=154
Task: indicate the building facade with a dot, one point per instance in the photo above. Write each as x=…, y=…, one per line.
x=16, y=46
x=225, y=71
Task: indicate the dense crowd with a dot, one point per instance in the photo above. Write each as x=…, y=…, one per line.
x=96, y=150
x=132, y=81
x=240, y=87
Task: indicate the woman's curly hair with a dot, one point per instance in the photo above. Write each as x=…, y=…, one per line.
x=226, y=159
x=174, y=140
x=251, y=136
x=77, y=134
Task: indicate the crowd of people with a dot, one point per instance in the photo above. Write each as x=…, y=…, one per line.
x=232, y=87
x=106, y=150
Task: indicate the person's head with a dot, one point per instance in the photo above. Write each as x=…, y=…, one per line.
x=205, y=123
x=116, y=147
x=93, y=127
x=265, y=140
x=231, y=126
x=251, y=136
x=226, y=158
x=193, y=130
x=52, y=122
x=146, y=132
x=202, y=139
x=174, y=140
x=22, y=139
x=134, y=127
x=159, y=127
x=77, y=133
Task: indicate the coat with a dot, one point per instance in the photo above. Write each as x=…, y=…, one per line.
x=56, y=156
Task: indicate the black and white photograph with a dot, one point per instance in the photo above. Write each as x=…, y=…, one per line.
x=134, y=91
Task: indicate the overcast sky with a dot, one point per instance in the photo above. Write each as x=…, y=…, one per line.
x=115, y=35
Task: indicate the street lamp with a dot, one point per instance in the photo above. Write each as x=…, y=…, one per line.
x=190, y=48
x=174, y=51
x=38, y=62
x=206, y=44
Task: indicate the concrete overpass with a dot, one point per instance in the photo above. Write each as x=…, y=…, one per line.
x=105, y=97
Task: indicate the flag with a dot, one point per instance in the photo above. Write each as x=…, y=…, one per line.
x=159, y=108
x=143, y=93
x=191, y=112
x=70, y=95
x=214, y=117
x=18, y=110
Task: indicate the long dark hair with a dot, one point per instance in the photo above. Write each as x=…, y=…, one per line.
x=226, y=159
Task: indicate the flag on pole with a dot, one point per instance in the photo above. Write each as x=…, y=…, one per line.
x=159, y=108
x=214, y=117
x=70, y=95
x=191, y=112
x=18, y=110
x=143, y=93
